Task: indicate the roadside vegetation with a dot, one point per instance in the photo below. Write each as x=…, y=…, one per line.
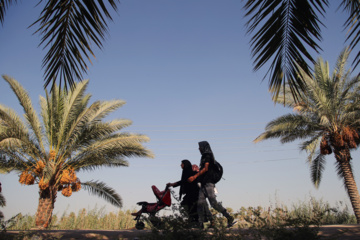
x=301, y=214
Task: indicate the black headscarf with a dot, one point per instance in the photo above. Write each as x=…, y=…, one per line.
x=186, y=173
x=205, y=148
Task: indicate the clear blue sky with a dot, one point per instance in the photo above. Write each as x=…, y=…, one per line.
x=185, y=70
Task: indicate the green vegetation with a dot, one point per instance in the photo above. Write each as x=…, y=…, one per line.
x=310, y=212
x=301, y=221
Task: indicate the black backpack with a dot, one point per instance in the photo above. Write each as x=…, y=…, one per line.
x=217, y=172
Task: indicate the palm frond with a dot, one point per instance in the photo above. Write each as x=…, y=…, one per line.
x=11, y=124
x=101, y=129
x=111, y=151
x=14, y=135
x=353, y=25
x=287, y=27
x=310, y=146
x=89, y=119
x=30, y=114
x=317, y=168
x=73, y=107
x=340, y=67
x=95, y=164
x=52, y=111
x=69, y=28
x=107, y=107
x=96, y=131
x=13, y=161
x=4, y=5
x=100, y=189
x=288, y=128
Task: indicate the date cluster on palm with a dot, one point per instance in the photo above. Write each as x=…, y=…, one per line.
x=348, y=136
x=69, y=183
x=27, y=178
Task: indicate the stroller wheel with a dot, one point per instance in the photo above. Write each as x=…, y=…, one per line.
x=140, y=225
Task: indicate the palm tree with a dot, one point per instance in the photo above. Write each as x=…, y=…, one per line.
x=2, y=204
x=284, y=31
x=328, y=118
x=68, y=29
x=71, y=138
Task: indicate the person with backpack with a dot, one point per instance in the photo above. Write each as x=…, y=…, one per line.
x=207, y=177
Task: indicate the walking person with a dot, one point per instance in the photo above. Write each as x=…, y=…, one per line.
x=207, y=188
x=190, y=190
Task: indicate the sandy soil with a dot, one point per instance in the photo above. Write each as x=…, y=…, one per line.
x=341, y=232
x=334, y=232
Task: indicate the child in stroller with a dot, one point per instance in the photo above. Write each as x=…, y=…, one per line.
x=163, y=200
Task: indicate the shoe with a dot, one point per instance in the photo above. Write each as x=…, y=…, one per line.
x=231, y=222
x=200, y=225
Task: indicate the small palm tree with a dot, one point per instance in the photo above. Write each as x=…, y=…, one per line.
x=328, y=116
x=72, y=137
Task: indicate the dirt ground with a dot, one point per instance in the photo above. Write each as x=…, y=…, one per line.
x=333, y=232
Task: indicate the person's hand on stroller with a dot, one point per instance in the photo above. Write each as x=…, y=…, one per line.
x=169, y=184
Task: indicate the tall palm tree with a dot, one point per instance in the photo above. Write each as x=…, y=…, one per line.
x=2, y=204
x=283, y=33
x=328, y=118
x=71, y=137
x=68, y=29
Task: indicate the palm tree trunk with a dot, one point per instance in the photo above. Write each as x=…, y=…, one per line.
x=45, y=208
x=343, y=160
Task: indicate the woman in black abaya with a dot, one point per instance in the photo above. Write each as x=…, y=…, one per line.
x=189, y=190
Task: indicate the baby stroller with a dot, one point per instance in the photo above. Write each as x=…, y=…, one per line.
x=163, y=200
